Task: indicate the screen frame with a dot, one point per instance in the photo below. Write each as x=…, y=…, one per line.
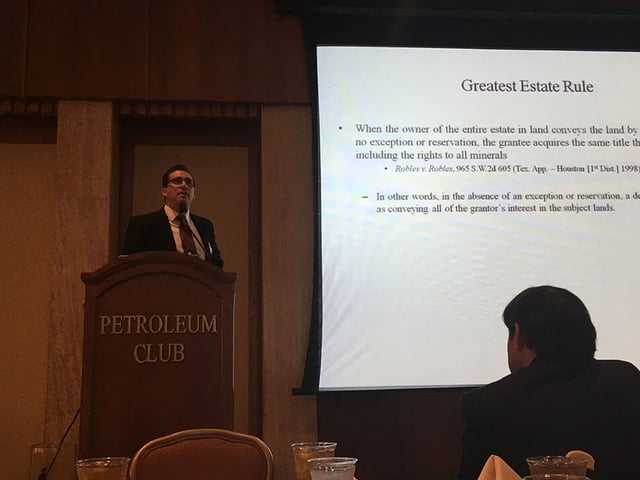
x=588, y=29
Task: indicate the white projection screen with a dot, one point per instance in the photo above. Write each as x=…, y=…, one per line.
x=451, y=179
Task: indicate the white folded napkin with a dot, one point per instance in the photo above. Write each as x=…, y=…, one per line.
x=497, y=469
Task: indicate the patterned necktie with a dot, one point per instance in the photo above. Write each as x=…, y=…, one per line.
x=188, y=244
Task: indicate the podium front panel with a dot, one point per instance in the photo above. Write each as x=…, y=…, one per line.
x=158, y=351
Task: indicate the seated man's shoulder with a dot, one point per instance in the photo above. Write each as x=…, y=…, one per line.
x=618, y=365
x=617, y=370
x=493, y=395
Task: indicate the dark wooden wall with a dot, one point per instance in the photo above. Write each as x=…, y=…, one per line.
x=196, y=50
x=395, y=434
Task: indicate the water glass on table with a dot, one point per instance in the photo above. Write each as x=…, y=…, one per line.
x=104, y=468
x=555, y=476
x=303, y=451
x=557, y=464
x=332, y=468
x=42, y=455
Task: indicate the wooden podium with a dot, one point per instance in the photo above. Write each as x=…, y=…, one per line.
x=158, y=351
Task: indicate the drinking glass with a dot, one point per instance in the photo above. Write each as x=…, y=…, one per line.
x=555, y=476
x=105, y=468
x=332, y=468
x=557, y=464
x=303, y=451
x=41, y=457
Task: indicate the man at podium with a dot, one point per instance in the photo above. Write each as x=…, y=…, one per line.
x=174, y=227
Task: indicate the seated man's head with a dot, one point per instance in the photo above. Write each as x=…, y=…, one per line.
x=549, y=323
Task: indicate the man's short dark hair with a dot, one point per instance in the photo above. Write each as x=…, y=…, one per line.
x=554, y=322
x=174, y=168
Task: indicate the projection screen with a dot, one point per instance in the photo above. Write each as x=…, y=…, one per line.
x=452, y=179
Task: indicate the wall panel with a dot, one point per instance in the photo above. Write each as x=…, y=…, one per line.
x=418, y=431
x=87, y=49
x=12, y=42
x=286, y=74
x=203, y=50
x=84, y=174
x=287, y=206
x=26, y=283
x=176, y=50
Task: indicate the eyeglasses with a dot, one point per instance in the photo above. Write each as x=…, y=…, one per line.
x=178, y=181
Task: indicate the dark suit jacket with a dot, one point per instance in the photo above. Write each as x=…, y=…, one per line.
x=550, y=409
x=152, y=232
